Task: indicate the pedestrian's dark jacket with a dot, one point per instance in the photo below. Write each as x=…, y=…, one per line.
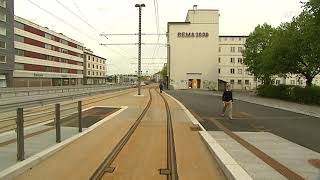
x=227, y=96
x=161, y=86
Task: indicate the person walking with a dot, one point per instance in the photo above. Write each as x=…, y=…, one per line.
x=161, y=87
x=227, y=100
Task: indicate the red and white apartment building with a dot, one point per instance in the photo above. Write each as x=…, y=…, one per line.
x=44, y=57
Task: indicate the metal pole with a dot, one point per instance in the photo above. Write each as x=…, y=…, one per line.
x=20, y=135
x=139, y=48
x=80, y=115
x=58, y=124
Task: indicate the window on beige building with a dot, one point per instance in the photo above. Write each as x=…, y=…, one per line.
x=239, y=71
x=239, y=81
x=232, y=60
x=240, y=60
x=240, y=49
x=246, y=82
x=2, y=44
x=219, y=49
x=233, y=49
x=231, y=81
x=219, y=71
x=3, y=59
x=219, y=59
x=293, y=82
x=88, y=73
x=232, y=71
x=3, y=3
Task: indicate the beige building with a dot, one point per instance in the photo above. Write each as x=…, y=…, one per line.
x=95, y=68
x=193, y=50
x=199, y=58
x=231, y=68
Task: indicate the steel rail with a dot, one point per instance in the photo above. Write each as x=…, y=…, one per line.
x=105, y=165
x=171, y=171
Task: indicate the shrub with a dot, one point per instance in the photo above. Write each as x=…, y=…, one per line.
x=307, y=95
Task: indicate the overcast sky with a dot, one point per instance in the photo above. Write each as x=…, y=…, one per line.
x=237, y=17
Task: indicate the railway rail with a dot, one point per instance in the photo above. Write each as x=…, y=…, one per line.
x=170, y=171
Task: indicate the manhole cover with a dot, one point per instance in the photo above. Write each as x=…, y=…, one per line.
x=315, y=162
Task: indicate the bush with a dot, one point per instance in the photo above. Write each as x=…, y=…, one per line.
x=307, y=95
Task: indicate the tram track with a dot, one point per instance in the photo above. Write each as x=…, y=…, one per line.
x=170, y=171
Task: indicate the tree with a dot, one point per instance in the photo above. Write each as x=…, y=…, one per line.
x=295, y=46
x=163, y=72
x=257, y=55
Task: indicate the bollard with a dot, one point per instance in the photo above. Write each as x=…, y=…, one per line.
x=58, y=124
x=80, y=115
x=20, y=135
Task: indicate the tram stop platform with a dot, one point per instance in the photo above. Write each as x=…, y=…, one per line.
x=200, y=154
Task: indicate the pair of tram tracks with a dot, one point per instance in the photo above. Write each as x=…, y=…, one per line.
x=170, y=171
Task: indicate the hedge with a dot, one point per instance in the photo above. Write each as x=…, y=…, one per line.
x=307, y=95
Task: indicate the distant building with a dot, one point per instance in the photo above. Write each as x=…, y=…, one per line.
x=231, y=68
x=95, y=68
x=44, y=57
x=193, y=50
x=6, y=42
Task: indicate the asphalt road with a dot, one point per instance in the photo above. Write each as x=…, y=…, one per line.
x=298, y=128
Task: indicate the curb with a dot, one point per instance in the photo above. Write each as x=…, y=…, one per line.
x=23, y=166
x=231, y=169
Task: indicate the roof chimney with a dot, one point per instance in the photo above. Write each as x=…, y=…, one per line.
x=195, y=7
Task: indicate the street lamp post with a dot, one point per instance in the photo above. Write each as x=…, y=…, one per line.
x=140, y=6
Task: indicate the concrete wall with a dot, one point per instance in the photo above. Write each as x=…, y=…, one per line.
x=194, y=56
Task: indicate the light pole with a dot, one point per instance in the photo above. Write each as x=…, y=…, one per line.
x=140, y=6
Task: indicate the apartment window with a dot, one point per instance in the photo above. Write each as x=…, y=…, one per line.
x=93, y=66
x=219, y=60
x=219, y=49
x=246, y=71
x=64, y=51
x=88, y=72
x=63, y=41
x=232, y=49
x=3, y=30
x=232, y=60
x=88, y=57
x=239, y=71
x=231, y=81
x=100, y=73
x=97, y=73
x=49, y=69
x=49, y=36
x=19, y=52
x=2, y=44
x=277, y=82
x=48, y=46
x=240, y=60
x=293, y=82
x=63, y=60
x=63, y=70
x=232, y=71
x=3, y=59
x=18, y=25
x=18, y=38
x=50, y=58
x=88, y=65
x=219, y=71
x=240, y=38
x=3, y=16
x=246, y=82
x=239, y=82
x=3, y=3
x=239, y=49
x=79, y=47
x=18, y=66
x=79, y=72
